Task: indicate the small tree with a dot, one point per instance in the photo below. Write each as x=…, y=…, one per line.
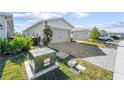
x=94, y=34
x=47, y=36
x=114, y=34
x=103, y=33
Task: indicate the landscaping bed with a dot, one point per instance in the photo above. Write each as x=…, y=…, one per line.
x=100, y=44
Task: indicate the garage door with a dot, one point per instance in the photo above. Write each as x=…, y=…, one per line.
x=60, y=36
x=79, y=35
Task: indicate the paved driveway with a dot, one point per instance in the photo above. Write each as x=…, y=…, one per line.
x=103, y=57
x=106, y=61
x=78, y=50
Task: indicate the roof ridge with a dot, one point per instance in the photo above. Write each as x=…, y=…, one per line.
x=40, y=21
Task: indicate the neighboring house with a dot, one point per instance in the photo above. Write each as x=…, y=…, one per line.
x=61, y=30
x=80, y=33
x=6, y=25
x=60, y=27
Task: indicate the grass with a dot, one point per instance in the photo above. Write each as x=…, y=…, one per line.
x=13, y=69
x=92, y=72
x=99, y=44
x=14, y=72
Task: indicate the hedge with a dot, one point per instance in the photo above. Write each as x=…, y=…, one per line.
x=14, y=45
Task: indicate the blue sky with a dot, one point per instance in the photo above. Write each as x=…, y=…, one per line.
x=109, y=21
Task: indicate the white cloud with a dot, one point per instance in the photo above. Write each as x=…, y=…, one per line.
x=23, y=20
x=19, y=27
x=79, y=26
x=38, y=15
x=81, y=14
x=116, y=24
x=110, y=27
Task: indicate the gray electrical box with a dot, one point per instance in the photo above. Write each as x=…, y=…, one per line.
x=42, y=58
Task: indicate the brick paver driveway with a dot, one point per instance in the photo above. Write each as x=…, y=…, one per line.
x=103, y=57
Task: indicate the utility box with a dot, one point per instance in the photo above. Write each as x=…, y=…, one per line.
x=42, y=58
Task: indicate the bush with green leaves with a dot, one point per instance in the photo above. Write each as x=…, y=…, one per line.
x=4, y=46
x=103, y=33
x=114, y=34
x=14, y=45
x=94, y=34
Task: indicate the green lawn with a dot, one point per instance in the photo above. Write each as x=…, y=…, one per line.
x=92, y=72
x=13, y=69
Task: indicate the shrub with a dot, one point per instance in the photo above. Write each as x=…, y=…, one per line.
x=122, y=37
x=47, y=36
x=114, y=34
x=4, y=46
x=15, y=45
x=103, y=33
x=94, y=34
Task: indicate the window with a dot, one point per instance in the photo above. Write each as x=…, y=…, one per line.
x=0, y=27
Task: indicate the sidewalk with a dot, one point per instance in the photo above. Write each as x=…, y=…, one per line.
x=119, y=65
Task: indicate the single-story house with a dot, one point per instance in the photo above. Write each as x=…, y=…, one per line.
x=60, y=27
x=6, y=25
x=80, y=33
